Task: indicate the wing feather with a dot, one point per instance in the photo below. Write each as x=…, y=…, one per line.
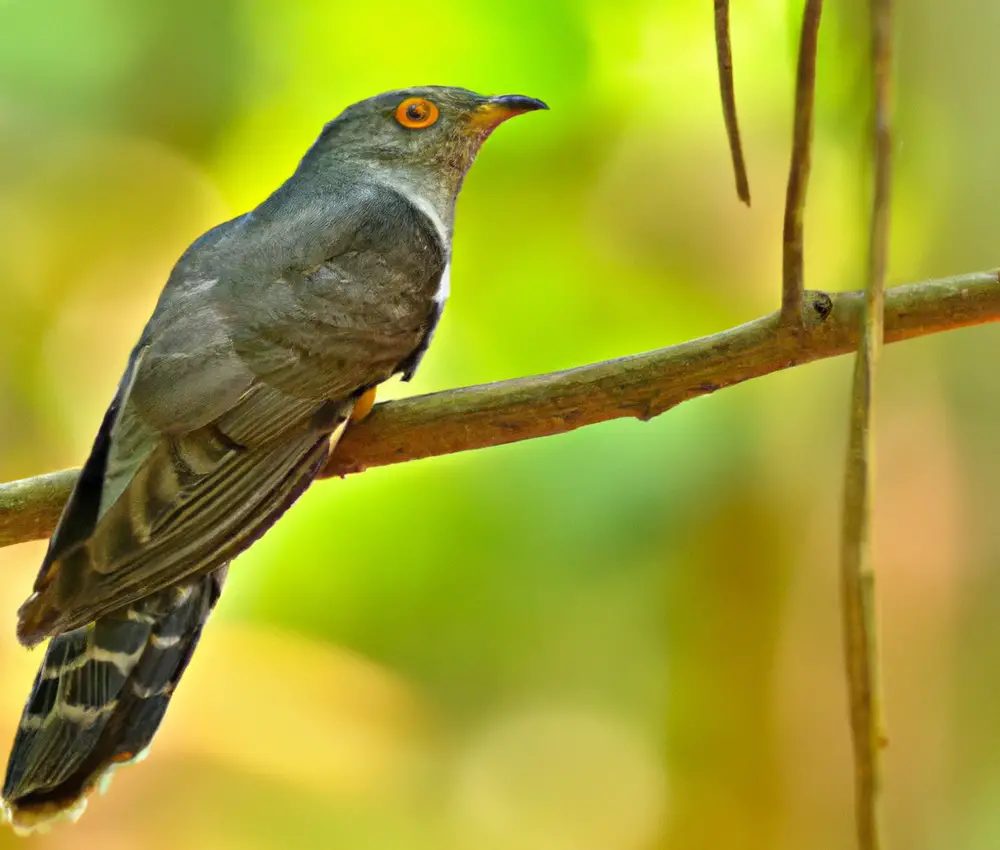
x=251, y=362
x=237, y=503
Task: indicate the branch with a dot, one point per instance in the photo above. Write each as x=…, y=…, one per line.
x=857, y=574
x=640, y=386
x=798, y=175
x=724, y=59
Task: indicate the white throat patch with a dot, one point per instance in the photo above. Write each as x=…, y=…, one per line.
x=428, y=210
x=425, y=207
x=444, y=286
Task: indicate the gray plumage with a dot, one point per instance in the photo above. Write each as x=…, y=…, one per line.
x=270, y=327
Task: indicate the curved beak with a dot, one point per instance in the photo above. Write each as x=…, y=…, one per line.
x=495, y=110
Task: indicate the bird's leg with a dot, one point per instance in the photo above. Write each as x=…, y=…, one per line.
x=363, y=406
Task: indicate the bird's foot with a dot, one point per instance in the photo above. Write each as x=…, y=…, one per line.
x=363, y=406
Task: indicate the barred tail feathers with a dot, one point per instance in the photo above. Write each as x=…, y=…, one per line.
x=98, y=700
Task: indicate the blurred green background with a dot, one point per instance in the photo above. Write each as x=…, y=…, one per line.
x=623, y=638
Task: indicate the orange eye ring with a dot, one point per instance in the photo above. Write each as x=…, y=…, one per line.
x=415, y=113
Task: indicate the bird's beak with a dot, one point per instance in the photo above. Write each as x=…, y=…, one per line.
x=495, y=110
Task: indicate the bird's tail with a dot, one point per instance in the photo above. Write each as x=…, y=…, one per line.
x=98, y=699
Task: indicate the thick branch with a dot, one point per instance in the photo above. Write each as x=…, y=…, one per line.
x=641, y=386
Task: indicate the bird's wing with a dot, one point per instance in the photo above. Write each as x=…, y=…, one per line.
x=222, y=419
x=152, y=508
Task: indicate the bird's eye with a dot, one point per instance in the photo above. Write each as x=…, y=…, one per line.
x=416, y=113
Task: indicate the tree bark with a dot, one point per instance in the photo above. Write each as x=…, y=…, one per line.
x=640, y=385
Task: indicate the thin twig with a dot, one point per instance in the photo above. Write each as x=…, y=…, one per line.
x=724, y=57
x=793, y=280
x=641, y=385
x=857, y=564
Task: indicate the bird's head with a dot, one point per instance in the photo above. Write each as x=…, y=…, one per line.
x=431, y=129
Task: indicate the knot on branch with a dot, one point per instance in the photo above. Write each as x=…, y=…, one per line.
x=818, y=305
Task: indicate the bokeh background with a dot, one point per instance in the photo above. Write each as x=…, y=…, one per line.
x=623, y=638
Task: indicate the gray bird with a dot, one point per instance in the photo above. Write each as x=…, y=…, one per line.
x=272, y=331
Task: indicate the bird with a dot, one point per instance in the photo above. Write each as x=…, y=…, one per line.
x=271, y=334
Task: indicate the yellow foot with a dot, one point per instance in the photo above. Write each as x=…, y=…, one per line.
x=363, y=406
